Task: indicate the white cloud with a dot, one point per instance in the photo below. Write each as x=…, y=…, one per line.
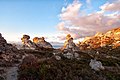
x=63, y=9
x=86, y=25
x=115, y=6
x=71, y=11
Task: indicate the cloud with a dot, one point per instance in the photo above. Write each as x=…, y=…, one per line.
x=71, y=11
x=61, y=26
x=115, y=6
x=61, y=37
x=72, y=22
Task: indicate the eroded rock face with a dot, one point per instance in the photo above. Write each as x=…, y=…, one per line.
x=27, y=43
x=96, y=65
x=3, y=43
x=110, y=38
x=8, y=53
x=40, y=42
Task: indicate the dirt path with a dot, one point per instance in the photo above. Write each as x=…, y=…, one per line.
x=12, y=73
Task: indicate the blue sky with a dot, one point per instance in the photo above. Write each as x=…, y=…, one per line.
x=20, y=15
x=36, y=17
x=29, y=16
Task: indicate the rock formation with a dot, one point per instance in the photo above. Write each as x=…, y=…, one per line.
x=27, y=43
x=3, y=43
x=69, y=44
x=40, y=42
x=8, y=53
x=69, y=49
x=96, y=65
x=110, y=38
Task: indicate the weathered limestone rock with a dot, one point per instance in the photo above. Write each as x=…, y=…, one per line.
x=69, y=49
x=40, y=42
x=96, y=65
x=27, y=43
x=57, y=57
x=8, y=53
x=110, y=38
x=69, y=55
x=69, y=44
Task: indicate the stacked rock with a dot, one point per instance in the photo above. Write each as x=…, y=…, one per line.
x=70, y=49
x=40, y=42
x=27, y=42
x=69, y=45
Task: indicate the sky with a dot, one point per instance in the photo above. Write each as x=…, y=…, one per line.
x=54, y=19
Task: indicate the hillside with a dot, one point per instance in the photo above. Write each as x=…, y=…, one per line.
x=110, y=38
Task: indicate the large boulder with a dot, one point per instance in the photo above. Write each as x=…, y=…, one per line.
x=40, y=42
x=96, y=65
x=27, y=42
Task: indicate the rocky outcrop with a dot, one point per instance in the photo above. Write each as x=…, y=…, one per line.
x=110, y=38
x=69, y=49
x=69, y=44
x=40, y=42
x=27, y=42
x=3, y=43
x=8, y=53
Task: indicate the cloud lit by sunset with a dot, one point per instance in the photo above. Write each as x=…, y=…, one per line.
x=75, y=20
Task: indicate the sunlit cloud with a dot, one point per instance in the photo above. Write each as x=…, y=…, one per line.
x=71, y=11
x=72, y=22
x=115, y=6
